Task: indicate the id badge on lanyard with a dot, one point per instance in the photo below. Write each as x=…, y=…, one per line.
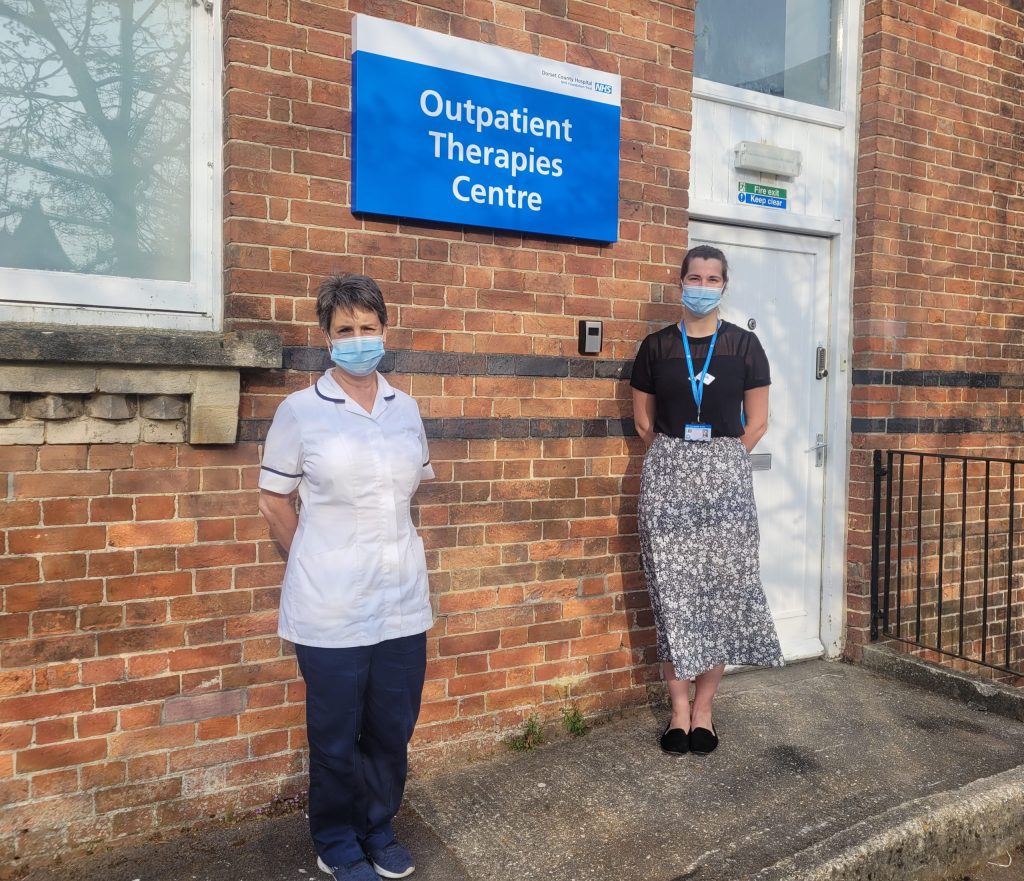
x=698, y=431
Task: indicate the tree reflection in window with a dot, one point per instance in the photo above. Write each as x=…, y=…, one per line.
x=785, y=48
x=95, y=136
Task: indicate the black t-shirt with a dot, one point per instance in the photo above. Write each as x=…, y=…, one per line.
x=738, y=363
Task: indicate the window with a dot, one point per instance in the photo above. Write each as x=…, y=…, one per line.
x=109, y=156
x=784, y=48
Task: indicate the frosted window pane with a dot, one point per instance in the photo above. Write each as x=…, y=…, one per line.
x=785, y=48
x=95, y=136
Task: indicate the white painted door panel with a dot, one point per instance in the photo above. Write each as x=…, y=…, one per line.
x=780, y=282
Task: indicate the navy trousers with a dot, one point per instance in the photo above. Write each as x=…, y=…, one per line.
x=361, y=709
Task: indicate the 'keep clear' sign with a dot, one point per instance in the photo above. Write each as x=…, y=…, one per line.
x=451, y=130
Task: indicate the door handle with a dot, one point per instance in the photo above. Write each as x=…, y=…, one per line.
x=819, y=450
x=819, y=363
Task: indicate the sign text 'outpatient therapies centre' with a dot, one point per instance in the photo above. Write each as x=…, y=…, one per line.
x=460, y=132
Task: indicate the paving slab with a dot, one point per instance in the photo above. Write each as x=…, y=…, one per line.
x=267, y=849
x=806, y=752
x=816, y=759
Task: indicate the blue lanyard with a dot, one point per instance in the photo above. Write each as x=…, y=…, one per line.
x=697, y=385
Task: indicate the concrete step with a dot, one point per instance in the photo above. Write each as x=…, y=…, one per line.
x=825, y=771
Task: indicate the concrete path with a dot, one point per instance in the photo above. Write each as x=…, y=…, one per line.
x=823, y=769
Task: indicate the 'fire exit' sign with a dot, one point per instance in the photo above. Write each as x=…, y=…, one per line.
x=762, y=196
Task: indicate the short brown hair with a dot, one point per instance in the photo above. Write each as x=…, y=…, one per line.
x=348, y=292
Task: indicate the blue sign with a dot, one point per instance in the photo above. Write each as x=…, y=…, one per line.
x=449, y=130
x=762, y=201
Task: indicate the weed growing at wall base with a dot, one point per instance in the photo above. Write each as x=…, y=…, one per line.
x=573, y=720
x=532, y=735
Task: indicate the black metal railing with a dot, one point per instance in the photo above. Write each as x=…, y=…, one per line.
x=946, y=548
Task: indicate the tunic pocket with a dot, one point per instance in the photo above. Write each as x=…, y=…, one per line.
x=335, y=583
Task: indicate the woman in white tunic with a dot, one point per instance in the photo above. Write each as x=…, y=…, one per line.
x=355, y=599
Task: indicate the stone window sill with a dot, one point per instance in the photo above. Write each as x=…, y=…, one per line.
x=70, y=386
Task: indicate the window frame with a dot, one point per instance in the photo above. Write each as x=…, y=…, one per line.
x=39, y=296
x=750, y=99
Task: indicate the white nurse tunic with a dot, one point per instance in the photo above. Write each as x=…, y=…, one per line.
x=356, y=572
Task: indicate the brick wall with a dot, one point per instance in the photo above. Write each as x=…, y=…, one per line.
x=938, y=311
x=141, y=684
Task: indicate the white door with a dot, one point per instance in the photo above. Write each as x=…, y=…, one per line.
x=779, y=287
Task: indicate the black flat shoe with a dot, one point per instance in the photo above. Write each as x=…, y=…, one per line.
x=675, y=741
x=703, y=741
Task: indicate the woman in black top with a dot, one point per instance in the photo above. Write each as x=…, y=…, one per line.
x=700, y=403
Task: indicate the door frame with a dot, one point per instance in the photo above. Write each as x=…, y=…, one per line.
x=840, y=231
x=835, y=480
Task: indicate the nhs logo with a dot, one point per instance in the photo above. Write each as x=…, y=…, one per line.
x=603, y=88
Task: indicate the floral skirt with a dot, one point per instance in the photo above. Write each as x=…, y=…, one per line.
x=699, y=545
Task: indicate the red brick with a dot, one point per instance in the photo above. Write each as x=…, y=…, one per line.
x=258, y=770
x=209, y=754
x=93, y=724
x=554, y=631
x=277, y=670
x=109, y=457
x=65, y=512
x=141, y=639
x=474, y=642
x=43, y=651
x=154, y=456
x=148, y=586
x=54, y=621
x=136, y=717
x=19, y=570
x=54, y=486
x=138, y=691
x=208, y=656
x=155, y=560
x=62, y=755
x=54, y=730
x=15, y=682
x=111, y=508
x=216, y=555
x=268, y=744
x=154, y=507
x=110, y=563
x=57, y=676
x=19, y=514
x=50, y=596
x=104, y=670
x=56, y=539
x=147, y=767
x=102, y=774
x=63, y=457
x=478, y=683
x=148, y=740
x=154, y=481
x=271, y=719
x=120, y=797
x=53, y=783
x=14, y=737
x=217, y=728
x=167, y=532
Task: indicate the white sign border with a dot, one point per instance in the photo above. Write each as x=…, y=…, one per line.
x=419, y=46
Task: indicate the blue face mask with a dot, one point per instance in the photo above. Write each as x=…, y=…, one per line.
x=700, y=300
x=358, y=355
